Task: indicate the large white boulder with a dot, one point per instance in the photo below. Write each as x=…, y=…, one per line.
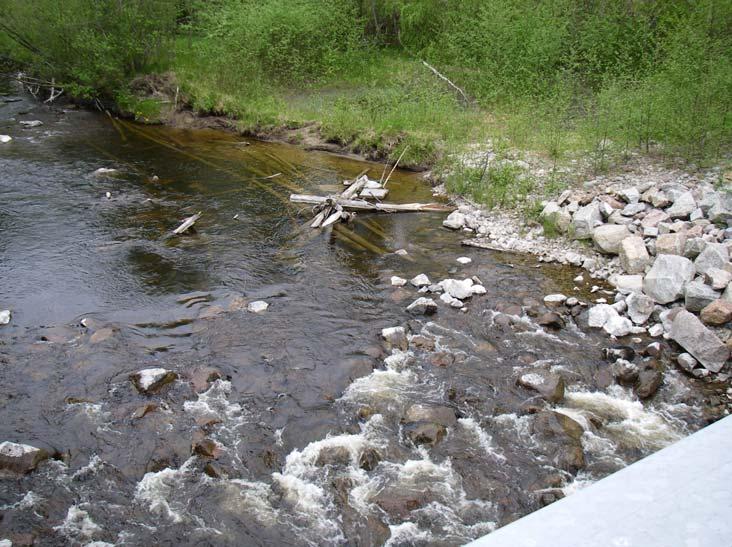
x=634, y=256
x=691, y=334
x=667, y=278
x=586, y=219
x=608, y=237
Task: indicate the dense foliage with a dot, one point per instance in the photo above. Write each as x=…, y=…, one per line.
x=622, y=73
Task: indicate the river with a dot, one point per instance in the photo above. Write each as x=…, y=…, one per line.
x=304, y=407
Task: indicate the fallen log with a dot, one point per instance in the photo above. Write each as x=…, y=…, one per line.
x=187, y=224
x=361, y=205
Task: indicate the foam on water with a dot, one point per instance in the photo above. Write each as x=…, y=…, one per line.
x=78, y=525
x=485, y=441
x=407, y=533
x=156, y=489
x=626, y=420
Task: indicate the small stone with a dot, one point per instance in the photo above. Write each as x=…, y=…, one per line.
x=550, y=319
x=20, y=458
x=633, y=209
x=697, y=295
x=451, y=301
x=686, y=362
x=397, y=281
x=422, y=306
x=5, y=138
x=549, y=386
x=457, y=288
x=31, y=123
x=625, y=372
x=151, y=380
x=420, y=281
x=478, y=289
x=634, y=256
x=683, y=206
x=257, y=306
x=572, y=301
x=654, y=218
x=640, y=307
x=554, y=299
x=696, y=214
x=655, y=330
x=401, y=252
x=599, y=315
x=464, y=260
x=5, y=316
x=717, y=313
x=630, y=195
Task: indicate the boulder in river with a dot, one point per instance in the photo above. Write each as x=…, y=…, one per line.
x=425, y=433
x=691, y=334
x=443, y=415
x=422, y=306
x=421, y=281
x=550, y=386
x=152, y=380
x=649, y=380
x=5, y=139
x=20, y=458
x=396, y=337
x=5, y=317
x=561, y=436
x=667, y=278
x=454, y=220
x=460, y=289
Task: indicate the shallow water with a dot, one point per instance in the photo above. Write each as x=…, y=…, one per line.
x=305, y=379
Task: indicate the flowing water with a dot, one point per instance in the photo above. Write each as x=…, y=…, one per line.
x=307, y=413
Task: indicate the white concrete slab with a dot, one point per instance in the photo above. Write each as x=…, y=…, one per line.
x=680, y=496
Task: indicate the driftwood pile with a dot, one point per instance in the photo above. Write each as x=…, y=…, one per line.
x=331, y=209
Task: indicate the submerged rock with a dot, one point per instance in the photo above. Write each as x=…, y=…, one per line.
x=699, y=341
x=562, y=437
x=151, y=380
x=20, y=458
x=549, y=386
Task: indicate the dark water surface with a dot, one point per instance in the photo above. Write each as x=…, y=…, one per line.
x=307, y=415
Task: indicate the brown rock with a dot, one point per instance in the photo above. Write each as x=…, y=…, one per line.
x=143, y=410
x=426, y=433
x=551, y=320
x=423, y=342
x=717, y=313
x=101, y=335
x=20, y=458
x=203, y=377
x=649, y=380
x=442, y=359
x=206, y=448
x=333, y=455
x=369, y=459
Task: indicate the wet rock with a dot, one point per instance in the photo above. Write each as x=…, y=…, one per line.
x=562, y=435
x=420, y=281
x=714, y=255
x=203, y=377
x=442, y=359
x=20, y=458
x=634, y=256
x=396, y=337
x=671, y=244
x=551, y=320
x=549, y=386
x=369, y=459
x=206, y=448
x=454, y=220
x=625, y=372
x=586, y=219
x=683, y=206
x=717, y=313
x=613, y=353
x=214, y=470
x=333, y=455
x=460, y=289
x=152, y=380
x=422, y=306
x=443, y=415
x=549, y=496
x=667, y=277
x=422, y=342
x=5, y=139
x=718, y=278
x=686, y=362
x=5, y=317
x=691, y=334
x=649, y=380
x=697, y=296
x=652, y=350
x=142, y=411
x=397, y=281
x=464, y=260
x=607, y=238
x=426, y=433
x=31, y=123
x=640, y=307
x=101, y=335
x=257, y=306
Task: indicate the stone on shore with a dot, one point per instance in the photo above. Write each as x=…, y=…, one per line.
x=586, y=219
x=640, y=307
x=721, y=210
x=667, y=278
x=600, y=314
x=634, y=256
x=31, y=123
x=691, y=334
x=258, y=306
x=554, y=300
x=683, y=206
x=718, y=278
x=608, y=237
x=686, y=362
x=697, y=296
x=618, y=326
x=20, y=458
x=422, y=306
x=627, y=283
x=717, y=313
x=714, y=255
x=151, y=380
x=454, y=220
x=549, y=386
x=671, y=244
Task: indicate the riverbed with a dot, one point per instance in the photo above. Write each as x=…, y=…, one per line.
x=304, y=403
